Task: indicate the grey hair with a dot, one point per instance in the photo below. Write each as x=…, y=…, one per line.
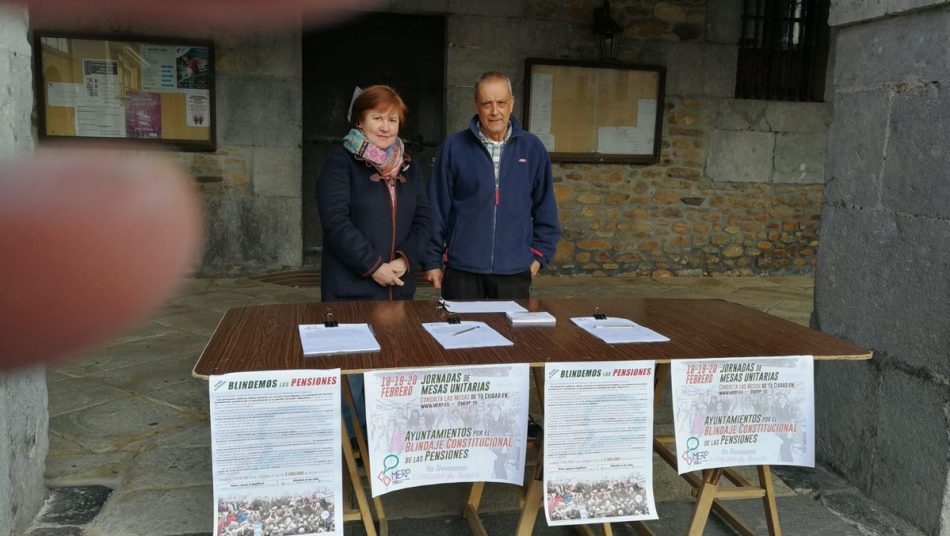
x=492, y=75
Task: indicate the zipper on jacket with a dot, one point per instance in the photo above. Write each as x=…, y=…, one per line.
x=393, y=203
x=494, y=214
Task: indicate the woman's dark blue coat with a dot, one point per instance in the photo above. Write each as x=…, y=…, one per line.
x=361, y=231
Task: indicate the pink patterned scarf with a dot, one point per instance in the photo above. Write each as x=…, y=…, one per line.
x=389, y=163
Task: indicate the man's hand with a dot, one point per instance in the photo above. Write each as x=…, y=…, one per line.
x=535, y=267
x=434, y=276
x=386, y=276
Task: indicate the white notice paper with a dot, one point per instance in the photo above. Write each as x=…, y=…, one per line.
x=744, y=411
x=275, y=452
x=482, y=306
x=318, y=339
x=598, y=442
x=646, y=114
x=158, y=73
x=101, y=78
x=625, y=140
x=542, y=89
x=467, y=334
x=613, y=330
x=446, y=424
x=198, y=108
x=100, y=121
x=548, y=140
x=64, y=94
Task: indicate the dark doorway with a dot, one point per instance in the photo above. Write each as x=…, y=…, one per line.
x=406, y=52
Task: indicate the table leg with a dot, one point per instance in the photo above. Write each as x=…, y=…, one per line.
x=529, y=512
x=364, y=456
x=350, y=462
x=768, y=501
x=704, y=502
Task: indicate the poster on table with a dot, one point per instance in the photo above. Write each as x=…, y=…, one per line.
x=598, y=442
x=744, y=411
x=446, y=424
x=275, y=452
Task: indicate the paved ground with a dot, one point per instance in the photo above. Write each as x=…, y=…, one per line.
x=128, y=417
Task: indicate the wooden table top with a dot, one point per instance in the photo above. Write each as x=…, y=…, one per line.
x=266, y=337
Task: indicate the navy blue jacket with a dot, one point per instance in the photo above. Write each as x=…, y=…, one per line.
x=361, y=231
x=479, y=230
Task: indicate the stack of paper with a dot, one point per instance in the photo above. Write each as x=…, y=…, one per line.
x=318, y=339
x=482, y=306
x=614, y=330
x=465, y=335
x=540, y=318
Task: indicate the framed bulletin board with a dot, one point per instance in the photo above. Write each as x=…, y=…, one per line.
x=157, y=90
x=588, y=111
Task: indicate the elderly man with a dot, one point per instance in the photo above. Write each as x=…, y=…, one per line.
x=494, y=217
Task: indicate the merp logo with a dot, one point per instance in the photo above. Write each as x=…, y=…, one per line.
x=390, y=462
x=692, y=455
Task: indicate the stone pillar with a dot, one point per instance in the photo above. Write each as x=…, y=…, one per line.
x=24, y=418
x=883, y=277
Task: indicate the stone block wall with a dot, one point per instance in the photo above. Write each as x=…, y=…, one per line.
x=24, y=420
x=883, y=275
x=252, y=184
x=737, y=191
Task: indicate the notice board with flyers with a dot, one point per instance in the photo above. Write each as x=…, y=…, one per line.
x=156, y=90
x=595, y=111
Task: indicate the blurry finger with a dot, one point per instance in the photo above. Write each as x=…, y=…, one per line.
x=197, y=15
x=92, y=243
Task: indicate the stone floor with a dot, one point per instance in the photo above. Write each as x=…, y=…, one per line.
x=130, y=418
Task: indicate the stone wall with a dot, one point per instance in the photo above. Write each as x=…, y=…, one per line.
x=24, y=420
x=883, y=276
x=737, y=191
x=252, y=183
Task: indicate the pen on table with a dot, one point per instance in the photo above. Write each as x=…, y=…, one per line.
x=614, y=326
x=466, y=330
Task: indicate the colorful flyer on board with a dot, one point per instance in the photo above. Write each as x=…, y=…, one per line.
x=744, y=411
x=598, y=442
x=275, y=452
x=446, y=424
x=143, y=115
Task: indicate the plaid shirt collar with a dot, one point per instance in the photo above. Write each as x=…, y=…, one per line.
x=492, y=143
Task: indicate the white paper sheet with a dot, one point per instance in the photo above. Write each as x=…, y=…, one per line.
x=100, y=121
x=614, y=330
x=64, y=94
x=542, y=90
x=482, y=306
x=744, y=411
x=598, y=442
x=446, y=424
x=159, y=73
x=318, y=339
x=101, y=79
x=467, y=334
x=275, y=446
x=548, y=140
x=625, y=140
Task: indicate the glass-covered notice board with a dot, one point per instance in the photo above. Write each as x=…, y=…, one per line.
x=587, y=111
x=160, y=90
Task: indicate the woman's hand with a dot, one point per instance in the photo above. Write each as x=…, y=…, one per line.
x=386, y=276
x=399, y=266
